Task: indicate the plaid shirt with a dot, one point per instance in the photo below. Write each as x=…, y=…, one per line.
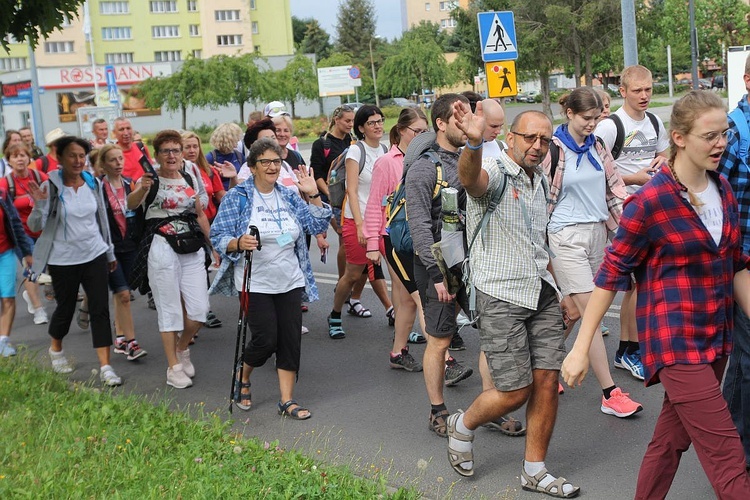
x=230, y=224
x=685, y=294
x=736, y=170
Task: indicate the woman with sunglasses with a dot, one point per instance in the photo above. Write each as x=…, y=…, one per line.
x=679, y=234
x=281, y=268
x=368, y=127
x=386, y=175
x=585, y=201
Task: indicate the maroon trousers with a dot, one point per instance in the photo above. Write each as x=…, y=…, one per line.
x=694, y=411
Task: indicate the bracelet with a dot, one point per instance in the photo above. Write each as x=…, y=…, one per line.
x=313, y=196
x=474, y=148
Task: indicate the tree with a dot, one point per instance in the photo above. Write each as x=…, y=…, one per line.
x=34, y=19
x=316, y=41
x=355, y=27
x=299, y=27
x=241, y=80
x=297, y=80
x=190, y=86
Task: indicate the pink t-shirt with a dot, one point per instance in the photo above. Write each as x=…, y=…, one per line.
x=386, y=174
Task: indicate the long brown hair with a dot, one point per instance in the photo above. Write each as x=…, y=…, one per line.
x=405, y=119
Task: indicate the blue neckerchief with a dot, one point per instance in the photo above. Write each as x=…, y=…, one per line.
x=565, y=137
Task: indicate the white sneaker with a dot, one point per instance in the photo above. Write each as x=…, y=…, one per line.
x=6, y=350
x=305, y=330
x=108, y=376
x=44, y=279
x=183, y=358
x=40, y=316
x=29, y=306
x=177, y=378
x=60, y=363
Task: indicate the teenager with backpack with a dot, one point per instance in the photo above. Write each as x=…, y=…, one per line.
x=368, y=127
x=639, y=144
x=585, y=202
x=735, y=166
x=69, y=211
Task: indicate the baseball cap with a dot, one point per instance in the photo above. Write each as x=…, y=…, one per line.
x=274, y=109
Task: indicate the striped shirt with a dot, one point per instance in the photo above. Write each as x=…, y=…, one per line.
x=510, y=260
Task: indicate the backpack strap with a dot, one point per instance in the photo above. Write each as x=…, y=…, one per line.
x=554, y=155
x=740, y=122
x=326, y=145
x=12, y=186
x=654, y=123
x=620, y=137
x=362, y=155
x=497, y=196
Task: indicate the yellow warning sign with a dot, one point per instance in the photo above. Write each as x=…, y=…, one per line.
x=501, y=78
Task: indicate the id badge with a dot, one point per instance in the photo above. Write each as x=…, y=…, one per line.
x=284, y=239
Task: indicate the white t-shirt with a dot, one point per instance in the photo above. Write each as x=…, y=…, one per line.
x=639, y=146
x=77, y=239
x=365, y=177
x=711, y=212
x=491, y=149
x=275, y=267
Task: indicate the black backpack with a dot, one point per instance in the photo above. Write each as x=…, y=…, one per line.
x=620, y=139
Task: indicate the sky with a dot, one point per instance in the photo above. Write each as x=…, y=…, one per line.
x=388, y=13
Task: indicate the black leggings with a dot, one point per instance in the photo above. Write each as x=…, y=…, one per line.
x=93, y=276
x=275, y=322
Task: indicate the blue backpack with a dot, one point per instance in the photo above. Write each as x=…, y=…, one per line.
x=738, y=117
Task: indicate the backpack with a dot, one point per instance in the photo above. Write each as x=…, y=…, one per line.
x=620, y=138
x=238, y=156
x=554, y=155
x=45, y=163
x=743, y=132
x=397, y=220
x=12, y=183
x=337, y=174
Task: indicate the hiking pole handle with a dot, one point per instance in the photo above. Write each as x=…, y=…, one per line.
x=253, y=231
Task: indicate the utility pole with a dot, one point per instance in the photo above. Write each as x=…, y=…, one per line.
x=693, y=44
x=629, y=38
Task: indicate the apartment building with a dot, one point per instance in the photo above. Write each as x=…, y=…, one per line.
x=415, y=11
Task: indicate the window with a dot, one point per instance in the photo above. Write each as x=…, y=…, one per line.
x=447, y=6
x=195, y=30
x=118, y=33
x=167, y=55
x=229, y=40
x=192, y=5
x=66, y=22
x=252, y=4
x=165, y=31
x=227, y=15
x=13, y=63
x=255, y=27
x=447, y=23
x=114, y=8
x=163, y=6
x=427, y=6
x=118, y=58
x=197, y=53
x=257, y=49
x=58, y=47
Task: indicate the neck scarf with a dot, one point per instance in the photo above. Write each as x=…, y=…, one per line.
x=565, y=137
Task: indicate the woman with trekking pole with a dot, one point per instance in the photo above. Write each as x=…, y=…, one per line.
x=283, y=273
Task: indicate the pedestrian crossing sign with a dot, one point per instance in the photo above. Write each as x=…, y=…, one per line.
x=497, y=36
x=501, y=79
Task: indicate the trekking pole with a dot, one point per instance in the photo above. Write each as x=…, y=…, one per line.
x=242, y=320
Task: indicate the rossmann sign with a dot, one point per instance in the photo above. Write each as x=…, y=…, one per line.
x=84, y=76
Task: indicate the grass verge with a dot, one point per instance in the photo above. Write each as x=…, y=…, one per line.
x=62, y=442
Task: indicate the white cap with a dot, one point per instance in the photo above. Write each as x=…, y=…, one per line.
x=53, y=136
x=274, y=109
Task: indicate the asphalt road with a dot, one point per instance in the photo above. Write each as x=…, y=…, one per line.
x=374, y=418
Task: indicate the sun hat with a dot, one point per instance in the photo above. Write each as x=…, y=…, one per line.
x=54, y=136
x=274, y=109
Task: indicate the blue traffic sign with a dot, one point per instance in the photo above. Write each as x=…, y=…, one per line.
x=354, y=72
x=109, y=74
x=497, y=36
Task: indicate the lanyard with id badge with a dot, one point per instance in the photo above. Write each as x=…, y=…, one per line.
x=285, y=238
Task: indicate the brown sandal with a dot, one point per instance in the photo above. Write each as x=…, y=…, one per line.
x=507, y=425
x=439, y=423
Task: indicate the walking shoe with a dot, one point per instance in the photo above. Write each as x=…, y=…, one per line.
x=108, y=376
x=631, y=362
x=151, y=304
x=620, y=405
x=417, y=338
x=455, y=372
x=462, y=320
x=6, y=350
x=212, y=321
x=335, y=330
x=177, y=378
x=391, y=315
x=604, y=329
x=29, y=305
x=183, y=358
x=405, y=361
x=60, y=363
x=457, y=343
x=135, y=351
x=305, y=330
x=44, y=279
x=121, y=345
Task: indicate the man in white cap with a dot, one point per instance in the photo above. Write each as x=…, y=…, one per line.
x=49, y=162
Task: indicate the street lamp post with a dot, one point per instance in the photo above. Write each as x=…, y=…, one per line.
x=374, y=80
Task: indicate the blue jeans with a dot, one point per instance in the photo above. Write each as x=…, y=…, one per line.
x=737, y=381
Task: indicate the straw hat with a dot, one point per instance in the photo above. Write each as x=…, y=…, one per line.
x=53, y=136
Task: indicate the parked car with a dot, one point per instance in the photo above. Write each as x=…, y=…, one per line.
x=717, y=82
x=355, y=105
x=401, y=102
x=529, y=96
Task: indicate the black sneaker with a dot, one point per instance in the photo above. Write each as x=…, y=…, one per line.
x=135, y=351
x=406, y=361
x=457, y=343
x=121, y=345
x=455, y=372
x=212, y=321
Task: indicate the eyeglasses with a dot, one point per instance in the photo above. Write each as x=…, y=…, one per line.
x=532, y=138
x=167, y=152
x=712, y=138
x=267, y=163
x=372, y=123
x=417, y=131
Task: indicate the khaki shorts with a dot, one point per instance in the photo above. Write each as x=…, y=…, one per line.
x=517, y=340
x=578, y=251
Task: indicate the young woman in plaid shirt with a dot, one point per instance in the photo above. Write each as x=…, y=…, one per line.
x=680, y=235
